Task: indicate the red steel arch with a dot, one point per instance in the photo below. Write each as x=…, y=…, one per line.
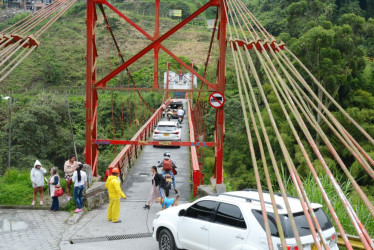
x=93, y=84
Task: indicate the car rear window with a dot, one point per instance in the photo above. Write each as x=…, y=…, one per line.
x=300, y=220
x=166, y=128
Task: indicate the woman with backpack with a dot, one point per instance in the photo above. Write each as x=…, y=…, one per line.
x=80, y=180
x=156, y=191
x=54, y=181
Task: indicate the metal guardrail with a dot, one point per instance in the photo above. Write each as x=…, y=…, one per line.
x=129, y=153
x=354, y=240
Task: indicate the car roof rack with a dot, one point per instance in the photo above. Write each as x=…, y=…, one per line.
x=246, y=199
x=264, y=191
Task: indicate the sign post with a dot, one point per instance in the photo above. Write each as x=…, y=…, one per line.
x=175, y=13
x=216, y=100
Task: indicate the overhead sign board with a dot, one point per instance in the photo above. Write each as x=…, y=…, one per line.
x=175, y=12
x=216, y=100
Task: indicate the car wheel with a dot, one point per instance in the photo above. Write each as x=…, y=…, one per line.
x=166, y=240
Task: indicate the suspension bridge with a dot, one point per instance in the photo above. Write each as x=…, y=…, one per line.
x=258, y=59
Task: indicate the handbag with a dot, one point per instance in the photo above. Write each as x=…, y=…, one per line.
x=174, y=171
x=58, y=191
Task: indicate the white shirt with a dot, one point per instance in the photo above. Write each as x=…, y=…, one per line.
x=83, y=178
x=37, y=176
x=180, y=112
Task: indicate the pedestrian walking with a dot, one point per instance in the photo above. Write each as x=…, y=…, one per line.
x=156, y=190
x=115, y=194
x=80, y=181
x=37, y=179
x=54, y=181
x=69, y=168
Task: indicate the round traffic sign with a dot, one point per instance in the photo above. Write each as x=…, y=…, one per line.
x=216, y=100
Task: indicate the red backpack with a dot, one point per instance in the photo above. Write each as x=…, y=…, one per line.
x=166, y=164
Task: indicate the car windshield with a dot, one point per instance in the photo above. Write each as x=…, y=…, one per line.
x=175, y=105
x=167, y=128
x=300, y=220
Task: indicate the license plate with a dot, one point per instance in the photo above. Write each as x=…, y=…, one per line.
x=314, y=247
x=166, y=134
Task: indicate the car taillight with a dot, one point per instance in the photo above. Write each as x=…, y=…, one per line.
x=177, y=132
x=289, y=247
x=292, y=247
x=156, y=132
x=333, y=240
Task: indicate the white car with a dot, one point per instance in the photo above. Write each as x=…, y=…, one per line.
x=167, y=131
x=233, y=221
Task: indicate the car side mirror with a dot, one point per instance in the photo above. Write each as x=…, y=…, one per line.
x=182, y=212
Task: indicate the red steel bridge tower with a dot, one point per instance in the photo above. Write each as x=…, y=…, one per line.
x=93, y=84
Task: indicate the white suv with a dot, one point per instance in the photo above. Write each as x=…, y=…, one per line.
x=234, y=220
x=167, y=131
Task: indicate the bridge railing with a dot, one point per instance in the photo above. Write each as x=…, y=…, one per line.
x=129, y=153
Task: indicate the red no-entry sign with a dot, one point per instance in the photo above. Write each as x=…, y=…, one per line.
x=216, y=100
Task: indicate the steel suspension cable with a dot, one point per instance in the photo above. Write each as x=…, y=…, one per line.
x=331, y=98
x=306, y=156
x=291, y=170
x=10, y=48
x=357, y=223
x=8, y=53
x=240, y=80
x=343, y=136
x=358, y=191
x=259, y=140
x=330, y=175
x=294, y=175
x=363, y=196
x=316, y=223
x=340, y=128
x=302, y=125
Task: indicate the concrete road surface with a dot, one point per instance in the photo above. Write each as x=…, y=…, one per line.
x=136, y=226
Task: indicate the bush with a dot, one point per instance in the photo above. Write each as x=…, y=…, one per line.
x=16, y=187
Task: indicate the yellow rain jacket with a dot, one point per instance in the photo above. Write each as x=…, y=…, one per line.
x=114, y=188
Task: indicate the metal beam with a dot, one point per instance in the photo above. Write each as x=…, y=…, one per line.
x=154, y=143
x=153, y=89
x=155, y=43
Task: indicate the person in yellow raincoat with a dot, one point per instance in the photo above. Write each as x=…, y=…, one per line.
x=115, y=194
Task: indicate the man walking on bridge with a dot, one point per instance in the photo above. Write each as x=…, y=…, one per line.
x=115, y=194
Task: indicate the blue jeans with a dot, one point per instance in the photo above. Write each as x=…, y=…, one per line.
x=55, y=203
x=172, y=176
x=78, y=192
